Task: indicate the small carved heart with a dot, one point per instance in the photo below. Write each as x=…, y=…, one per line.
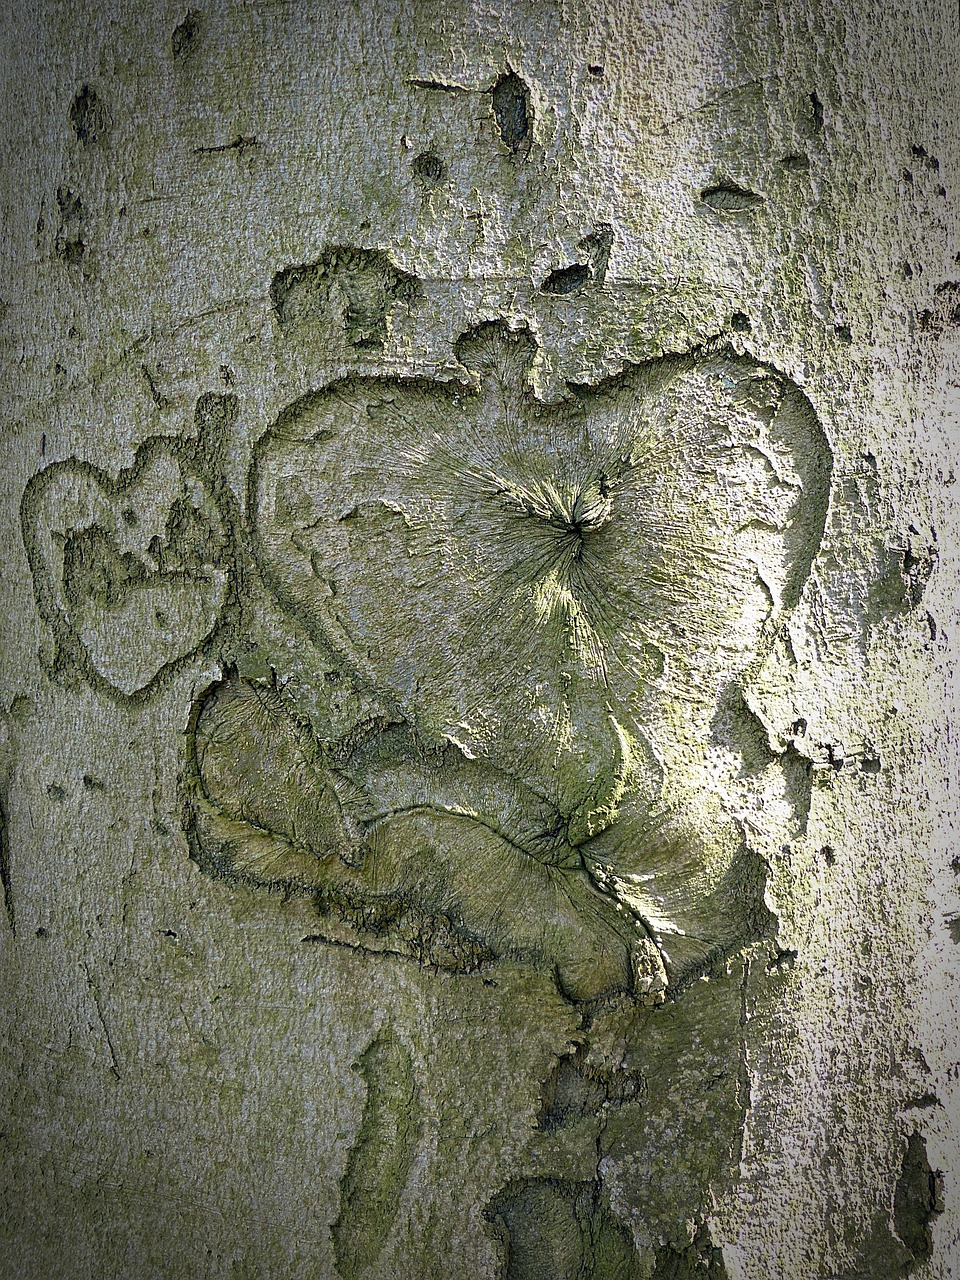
x=130, y=574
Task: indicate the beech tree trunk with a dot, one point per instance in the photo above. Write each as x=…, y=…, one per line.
x=479, y=775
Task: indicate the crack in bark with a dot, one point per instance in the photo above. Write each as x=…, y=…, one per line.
x=95, y=996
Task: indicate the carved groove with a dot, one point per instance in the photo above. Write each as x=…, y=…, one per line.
x=6, y=881
x=729, y=198
x=149, y=553
x=380, y=1160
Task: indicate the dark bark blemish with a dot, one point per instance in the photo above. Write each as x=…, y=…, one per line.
x=946, y=307
x=185, y=34
x=922, y=1103
x=916, y=568
x=782, y=960
x=214, y=418
x=574, y=277
x=598, y=245
x=917, y=1201
x=69, y=245
x=816, y=113
x=511, y=110
x=701, y=1261
x=921, y=153
x=567, y=279
x=728, y=197
x=88, y=115
x=429, y=168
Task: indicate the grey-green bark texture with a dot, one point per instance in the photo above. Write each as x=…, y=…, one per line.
x=478, y=735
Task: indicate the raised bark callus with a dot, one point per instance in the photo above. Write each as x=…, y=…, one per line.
x=542, y=596
x=472, y=704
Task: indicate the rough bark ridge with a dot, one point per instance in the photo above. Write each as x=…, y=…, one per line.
x=478, y=769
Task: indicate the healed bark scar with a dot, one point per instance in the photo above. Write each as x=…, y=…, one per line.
x=544, y=598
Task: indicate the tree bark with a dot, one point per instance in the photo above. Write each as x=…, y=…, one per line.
x=478, y=693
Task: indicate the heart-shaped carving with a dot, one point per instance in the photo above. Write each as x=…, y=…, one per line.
x=557, y=603
x=542, y=583
x=130, y=574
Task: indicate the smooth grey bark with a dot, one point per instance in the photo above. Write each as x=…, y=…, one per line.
x=479, y=775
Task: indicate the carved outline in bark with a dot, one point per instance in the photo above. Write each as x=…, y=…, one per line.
x=82, y=533
x=535, y=504
x=379, y=1161
x=565, y=517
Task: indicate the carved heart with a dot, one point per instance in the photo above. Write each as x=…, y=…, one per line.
x=558, y=601
x=545, y=584
x=130, y=574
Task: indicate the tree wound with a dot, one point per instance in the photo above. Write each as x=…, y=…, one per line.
x=511, y=111
x=536, y=594
x=359, y=288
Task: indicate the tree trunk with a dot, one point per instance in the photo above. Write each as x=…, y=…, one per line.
x=478, y=775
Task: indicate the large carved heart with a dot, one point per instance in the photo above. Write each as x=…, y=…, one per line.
x=130, y=574
x=539, y=582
